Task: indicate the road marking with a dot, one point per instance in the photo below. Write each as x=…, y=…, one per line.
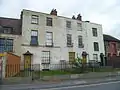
x=60, y=88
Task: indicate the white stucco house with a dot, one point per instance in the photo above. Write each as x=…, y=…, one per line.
x=51, y=38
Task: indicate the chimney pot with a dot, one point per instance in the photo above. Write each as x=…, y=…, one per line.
x=79, y=17
x=53, y=12
x=73, y=17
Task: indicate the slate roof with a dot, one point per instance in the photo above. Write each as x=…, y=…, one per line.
x=11, y=22
x=110, y=38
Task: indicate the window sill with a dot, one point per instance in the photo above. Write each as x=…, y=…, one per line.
x=79, y=30
x=33, y=44
x=46, y=63
x=81, y=46
x=49, y=25
x=49, y=45
x=96, y=51
x=35, y=23
x=68, y=28
x=95, y=36
x=69, y=45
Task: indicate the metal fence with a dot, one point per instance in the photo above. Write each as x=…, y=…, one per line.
x=20, y=73
x=19, y=70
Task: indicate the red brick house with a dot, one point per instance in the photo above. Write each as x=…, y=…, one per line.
x=112, y=46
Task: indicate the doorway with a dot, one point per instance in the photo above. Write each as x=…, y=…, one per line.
x=71, y=57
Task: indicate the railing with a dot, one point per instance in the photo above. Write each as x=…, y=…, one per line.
x=18, y=70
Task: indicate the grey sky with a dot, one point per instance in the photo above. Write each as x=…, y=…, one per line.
x=105, y=12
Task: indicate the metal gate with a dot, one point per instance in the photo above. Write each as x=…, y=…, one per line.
x=35, y=71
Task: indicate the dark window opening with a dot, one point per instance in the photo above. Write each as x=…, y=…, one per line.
x=96, y=46
x=34, y=38
x=49, y=21
x=94, y=31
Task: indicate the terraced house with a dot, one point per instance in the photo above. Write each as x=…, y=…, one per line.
x=10, y=34
x=49, y=38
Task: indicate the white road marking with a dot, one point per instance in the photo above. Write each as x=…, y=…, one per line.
x=60, y=88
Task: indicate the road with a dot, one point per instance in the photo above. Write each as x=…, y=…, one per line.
x=100, y=86
x=96, y=84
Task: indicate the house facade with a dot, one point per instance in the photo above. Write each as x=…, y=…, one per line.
x=49, y=38
x=10, y=35
x=112, y=46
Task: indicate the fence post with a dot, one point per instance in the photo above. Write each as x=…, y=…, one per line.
x=39, y=72
x=32, y=71
x=1, y=67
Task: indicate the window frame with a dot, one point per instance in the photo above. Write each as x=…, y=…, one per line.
x=79, y=26
x=49, y=21
x=49, y=40
x=69, y=38
x=44, y=57
x=8, y=29
x=7, y=47
x=36, y=18
x=80, y=43
x=96, y=46
x=36, y=36
x=68, y=24
x=94, y=32
x=95, y=57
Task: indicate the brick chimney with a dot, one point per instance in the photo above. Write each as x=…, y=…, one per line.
x=79, y=17
x=53, y=12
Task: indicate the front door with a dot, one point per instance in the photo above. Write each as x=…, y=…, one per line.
x=27, y=61
x=71, y=57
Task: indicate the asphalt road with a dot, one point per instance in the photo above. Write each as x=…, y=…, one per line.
x=100, y=86
x=94, y=84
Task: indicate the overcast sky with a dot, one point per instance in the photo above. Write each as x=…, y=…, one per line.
x=105, y=12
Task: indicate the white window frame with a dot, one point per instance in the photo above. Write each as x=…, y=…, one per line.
x=68, y=24
x=69, y=40
x=94, y=31
x=49, y=21
x=95, y=57
x=96, y=46
x=49, y=38
x=34, y=33
x=45, y=57
x=34, y=19
x=79, y=26
x=80, y=41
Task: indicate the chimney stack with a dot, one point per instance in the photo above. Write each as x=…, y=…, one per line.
x=53, y=12
x=73, y=17
x=79, y=17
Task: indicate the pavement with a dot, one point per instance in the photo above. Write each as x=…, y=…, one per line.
x=100, y=86
x=111, y=83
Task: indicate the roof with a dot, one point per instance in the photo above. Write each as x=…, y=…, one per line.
x=11, y=22
x=61, y=16
x=110, y=38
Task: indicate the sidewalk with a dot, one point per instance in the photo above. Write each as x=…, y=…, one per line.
x=59, y=78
